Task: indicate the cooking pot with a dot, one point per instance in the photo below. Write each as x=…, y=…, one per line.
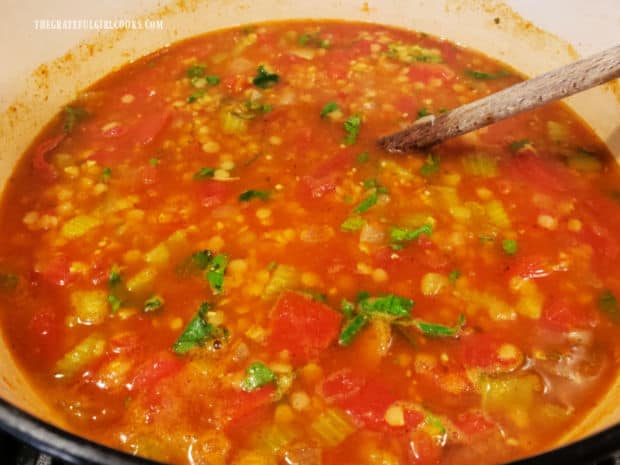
x=29, y=99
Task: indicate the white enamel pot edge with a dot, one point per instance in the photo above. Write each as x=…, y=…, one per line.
x=31, y=102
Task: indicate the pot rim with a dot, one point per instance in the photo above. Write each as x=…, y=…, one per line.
x=78, y=450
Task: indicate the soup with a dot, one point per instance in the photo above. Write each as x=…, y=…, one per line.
x=206, y=258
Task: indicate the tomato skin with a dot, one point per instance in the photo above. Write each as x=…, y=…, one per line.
x=150, y=126
x=40, y=164
x=213, y=193
x=423, y=450
x=302, y=326
x=152, y=371
x=341, y=385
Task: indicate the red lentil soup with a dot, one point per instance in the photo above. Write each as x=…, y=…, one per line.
x=207, y=260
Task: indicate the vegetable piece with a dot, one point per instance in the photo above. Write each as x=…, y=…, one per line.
x=90, y=307
x=368, y=202
x=405, y=235
x=215, y=272
x=264, y=79
x=519, y=144
x=608, y=305
x=353, y=223
x=430, y=166
x=362, y=157
x=115, y=303
x=313, y=40
x=454, y=276
x=149, y=373
x=193, y=264
x=195, y=71
x=106, y=174
x=84, y=353
x=332, y=427
x=352, y=129
x=413, y=53
x=482, y=76
x=435, y=330
x=232, y=123
x=213, y=80
x=73, y=115
x=257, y=375
x=204, y=173
x=347, y=308
x=198, y=331
x=284, y=277
x=254, y=194
x=352, y=328
x=252, y=109
x=497, y=214
x=78, y=226
x=329, y=107
x=422, y=112
x=480, y=164
x=153, y=303
x=389, y=305
x=196, y=95
x=585, y=161
x=432, y=284
x=510, y=246
x=302, y=326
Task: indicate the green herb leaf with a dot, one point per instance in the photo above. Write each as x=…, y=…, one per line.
x=264, y=79
x=213, y=80
x=362, y=295
x=73, y=115
x=114, y=277
x=272, y=265
x=106, y=174
x=390, y=305
x=518, y=145
x=8, y=282
x=195, y=71
x=404, y=234
x=482, y=76
x=347, y=308
x=196, y=333
x=510, y=246
x=362, y=157
x=608, y=305
x=154, y=161
x=365, y=204
x=454, y=276
x=313, y=40
x=434, y=330
x=304, y=39
x=330, y=107
x=430, y=166
x=153, y=303
x=352, y=128
x=115, y=303
x=257, y=375
x=204, y=173
x=215, y=272
x=254, y=194
x=353, y=223
x=422, y=112
x=195, y=95
x=351, y=329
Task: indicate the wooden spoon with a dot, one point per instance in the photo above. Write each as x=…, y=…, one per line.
x=526, y=95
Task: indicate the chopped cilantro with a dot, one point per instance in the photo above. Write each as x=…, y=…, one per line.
x=608, y=305
x=204, y=173
x=195, y=95
x=403, y=234
x=73, y=115
x=352, y=328
x=313, y=40
x=264, y=79
x=114, y=277
x=365, y=204
x=153, y=303
x=362, y=295
x=454, y=276
x=195, y=71
x=115, y=303
x=389, y=305
x=347, y=308
x=202, y=259
x=106, y=174
x=518, y=145
x=353, y=223
x=329, y=107
x=352, y=128
x=510, y=246
x=362, y=157
x=257, y=375
x=272, y=265
x=254, y=194
x=482, y=76
x=198, y=331
x=213, y=80
x=435, y=330
x=422, y=112
x=215, y=272
x=430, y=166
x=154, y=161
x=251, y=109
x=485, y=238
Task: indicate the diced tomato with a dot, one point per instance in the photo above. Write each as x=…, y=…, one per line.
x=481, y=350
x=213, y=193
x=235, y=84
x=530, y=266
x=542, y=172
x=56, y=270
x=563, y=315
x=39, y=162
x=237, y=404
x=302, y=326
x=150, y=126
x=326, y=176
x=152, y=371
x=423, y=450
x=311, y=187
x=125, y=343
x=341, y=385
x=472, y=422
x=424, y=72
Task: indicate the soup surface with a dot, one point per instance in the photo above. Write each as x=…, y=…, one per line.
x=206, y=259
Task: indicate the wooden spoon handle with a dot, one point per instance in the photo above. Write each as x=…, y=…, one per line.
x=554, y=85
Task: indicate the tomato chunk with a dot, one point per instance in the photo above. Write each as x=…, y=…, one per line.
x=152, y=371
x=40, y=163
x=302, y=326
